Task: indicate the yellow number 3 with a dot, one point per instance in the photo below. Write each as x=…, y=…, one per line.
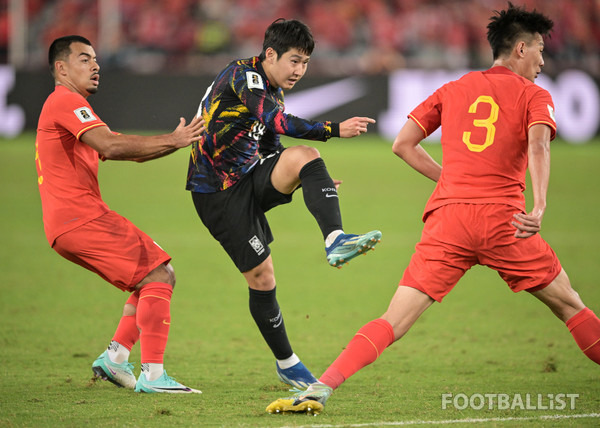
x=483, y=123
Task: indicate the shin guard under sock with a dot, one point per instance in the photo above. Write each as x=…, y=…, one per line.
x=154, y=320
x=585, y=328
x=320, y=196
x=267, y=316
x=364, y=348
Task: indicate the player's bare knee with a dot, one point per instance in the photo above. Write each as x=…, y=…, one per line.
x=301, y=155
x=163, y=273
x=262, y=282
x=129, y=310
x=171, y=273
x=260, y=279
x=309, y=154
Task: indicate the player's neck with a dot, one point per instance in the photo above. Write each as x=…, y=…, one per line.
x=71, y=88
x=503, y=62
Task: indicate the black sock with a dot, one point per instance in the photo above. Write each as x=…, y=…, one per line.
x=320, y=196
x=267, y=315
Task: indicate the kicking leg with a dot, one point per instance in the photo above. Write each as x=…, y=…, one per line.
x=303, y=165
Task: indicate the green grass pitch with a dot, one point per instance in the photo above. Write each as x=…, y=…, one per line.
x=483, y=339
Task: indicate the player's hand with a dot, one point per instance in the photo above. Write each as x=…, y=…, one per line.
x=354, y=126
x=337, y=183
x=527, y=224
x=186, y=134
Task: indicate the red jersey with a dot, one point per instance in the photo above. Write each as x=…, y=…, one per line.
x=485, y=118
x=67, y=168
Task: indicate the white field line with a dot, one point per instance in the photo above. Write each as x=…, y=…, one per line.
x=456, y=421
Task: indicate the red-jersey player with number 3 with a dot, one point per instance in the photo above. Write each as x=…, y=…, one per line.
x=80, y=227
x=496, y=124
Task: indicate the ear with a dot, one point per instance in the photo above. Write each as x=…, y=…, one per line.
x=271, y=55
x=520, y=48
x=59, y=68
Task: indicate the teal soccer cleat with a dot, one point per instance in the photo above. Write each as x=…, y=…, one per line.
x=297, y=376
x=165, y=383
x=346, y=247
x=311, y=401
x=119, y=374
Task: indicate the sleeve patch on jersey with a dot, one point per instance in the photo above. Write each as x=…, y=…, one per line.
x=84, y=114
x=255, y=80
x=551, y=111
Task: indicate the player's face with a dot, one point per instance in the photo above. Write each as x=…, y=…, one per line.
x=533, y=58
x=286, y=70
x=80, y=71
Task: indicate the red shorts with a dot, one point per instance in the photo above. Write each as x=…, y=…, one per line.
x=114, y=248
x=459, y=236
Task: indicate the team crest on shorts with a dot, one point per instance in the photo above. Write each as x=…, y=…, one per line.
x=257, y=245
x=84, y=114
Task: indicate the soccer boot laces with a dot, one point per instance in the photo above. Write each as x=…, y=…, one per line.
x=297, y=376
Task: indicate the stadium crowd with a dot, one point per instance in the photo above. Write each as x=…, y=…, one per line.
x=353, y=36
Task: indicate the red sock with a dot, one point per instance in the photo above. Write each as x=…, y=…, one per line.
x=585, y=328
x=154, y=319
x=364, y=348
x=127, y=333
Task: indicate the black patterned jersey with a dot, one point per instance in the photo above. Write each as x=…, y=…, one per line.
x=244, y=117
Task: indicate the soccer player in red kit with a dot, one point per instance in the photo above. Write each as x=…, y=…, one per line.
x=496, y=124
x=80, y=227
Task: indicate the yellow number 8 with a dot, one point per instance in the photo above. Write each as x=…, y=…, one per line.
x=483, y=123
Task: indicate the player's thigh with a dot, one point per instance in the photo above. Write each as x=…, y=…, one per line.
x=234, y=218
x=285, y=176
x=524, y=263
x=265, y=193
x=114, y=248
x=443, y=254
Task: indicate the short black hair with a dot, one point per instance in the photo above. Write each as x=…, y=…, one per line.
x=283, y=35
x=60, y=49
x=509, y=25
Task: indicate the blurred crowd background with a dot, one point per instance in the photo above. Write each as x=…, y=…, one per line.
x=352, y=36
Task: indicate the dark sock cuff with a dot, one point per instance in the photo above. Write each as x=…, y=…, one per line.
x=309, y=167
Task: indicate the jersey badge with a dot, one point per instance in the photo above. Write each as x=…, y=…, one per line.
x=84, y=114
x=255, y=80
x=551, y=111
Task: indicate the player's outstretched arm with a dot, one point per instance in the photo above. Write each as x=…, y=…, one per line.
x=184, y=135
x=142, y=148
x=354, y=126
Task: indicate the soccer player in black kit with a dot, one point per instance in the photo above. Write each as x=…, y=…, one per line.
x=239, y=170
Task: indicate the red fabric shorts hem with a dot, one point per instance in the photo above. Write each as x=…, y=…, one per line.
x=114, y=248
x=458, y=236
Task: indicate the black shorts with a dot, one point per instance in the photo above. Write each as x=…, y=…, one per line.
x=236, y=216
